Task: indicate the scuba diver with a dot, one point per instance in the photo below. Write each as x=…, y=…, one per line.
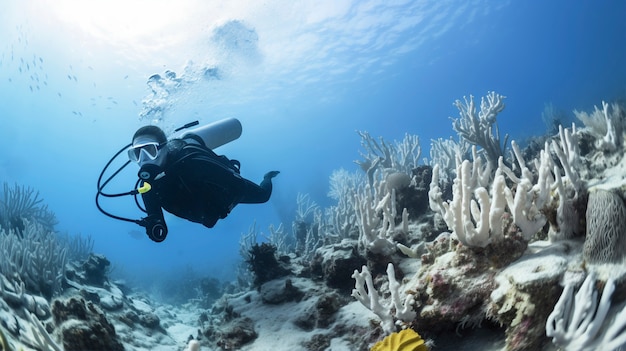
x=185, y=177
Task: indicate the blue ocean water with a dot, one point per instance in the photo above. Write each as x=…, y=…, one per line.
x=302, y=78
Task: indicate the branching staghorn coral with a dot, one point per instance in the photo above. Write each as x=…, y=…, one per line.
x=480, y=127
x=534, y=194
x=401, y=156
x=36, y=257
x=396, y=309
x=343, y=187
x=376, y=212
x=607, y=126
x=278, y=238
x=306, y=207
x=15, y=293
x=309, y=229
x=79, y=246
x=246, y=242
x=406, y=153
x=20, y=203
x=578, y=321
x=376, y=154
x=446, y=153
x=475, y=213
x=40, y=338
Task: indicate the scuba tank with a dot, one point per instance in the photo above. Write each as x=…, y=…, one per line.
x=217, y=133
x=212, y=135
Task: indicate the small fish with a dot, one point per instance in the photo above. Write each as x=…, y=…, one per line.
x=136, y=234
x=59, y=94
x=69, y=77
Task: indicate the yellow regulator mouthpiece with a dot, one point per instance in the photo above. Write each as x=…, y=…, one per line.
x=144, y=188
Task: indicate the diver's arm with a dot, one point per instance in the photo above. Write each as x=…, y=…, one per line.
x=154, y=222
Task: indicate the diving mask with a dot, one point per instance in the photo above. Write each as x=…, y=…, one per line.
x=144, y=152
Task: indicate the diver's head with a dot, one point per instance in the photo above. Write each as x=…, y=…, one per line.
x=149, y=150
x=148, y=146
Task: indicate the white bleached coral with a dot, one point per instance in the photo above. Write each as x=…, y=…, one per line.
x=376, y=212
x=35, y=256
x=578, y=321
x=400, y=156
x=475, y=214
x=607, y=126
x=480, y=127
x=470, y=219
x=370, y=298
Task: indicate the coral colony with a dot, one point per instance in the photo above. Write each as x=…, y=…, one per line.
x=525, y=243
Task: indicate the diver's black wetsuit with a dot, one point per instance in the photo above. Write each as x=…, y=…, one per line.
x=200, y=186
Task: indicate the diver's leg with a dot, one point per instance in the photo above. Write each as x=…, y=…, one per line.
x=255, y=194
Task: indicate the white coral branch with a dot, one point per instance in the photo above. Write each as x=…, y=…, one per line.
x=370, y=298
x=576, y=321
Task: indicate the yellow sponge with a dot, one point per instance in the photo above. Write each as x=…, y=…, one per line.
x=406, y=340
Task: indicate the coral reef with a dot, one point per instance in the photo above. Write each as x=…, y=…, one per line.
x=516, y=229
x=475, y=240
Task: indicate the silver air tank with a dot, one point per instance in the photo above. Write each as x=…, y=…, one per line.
x=217, y=133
